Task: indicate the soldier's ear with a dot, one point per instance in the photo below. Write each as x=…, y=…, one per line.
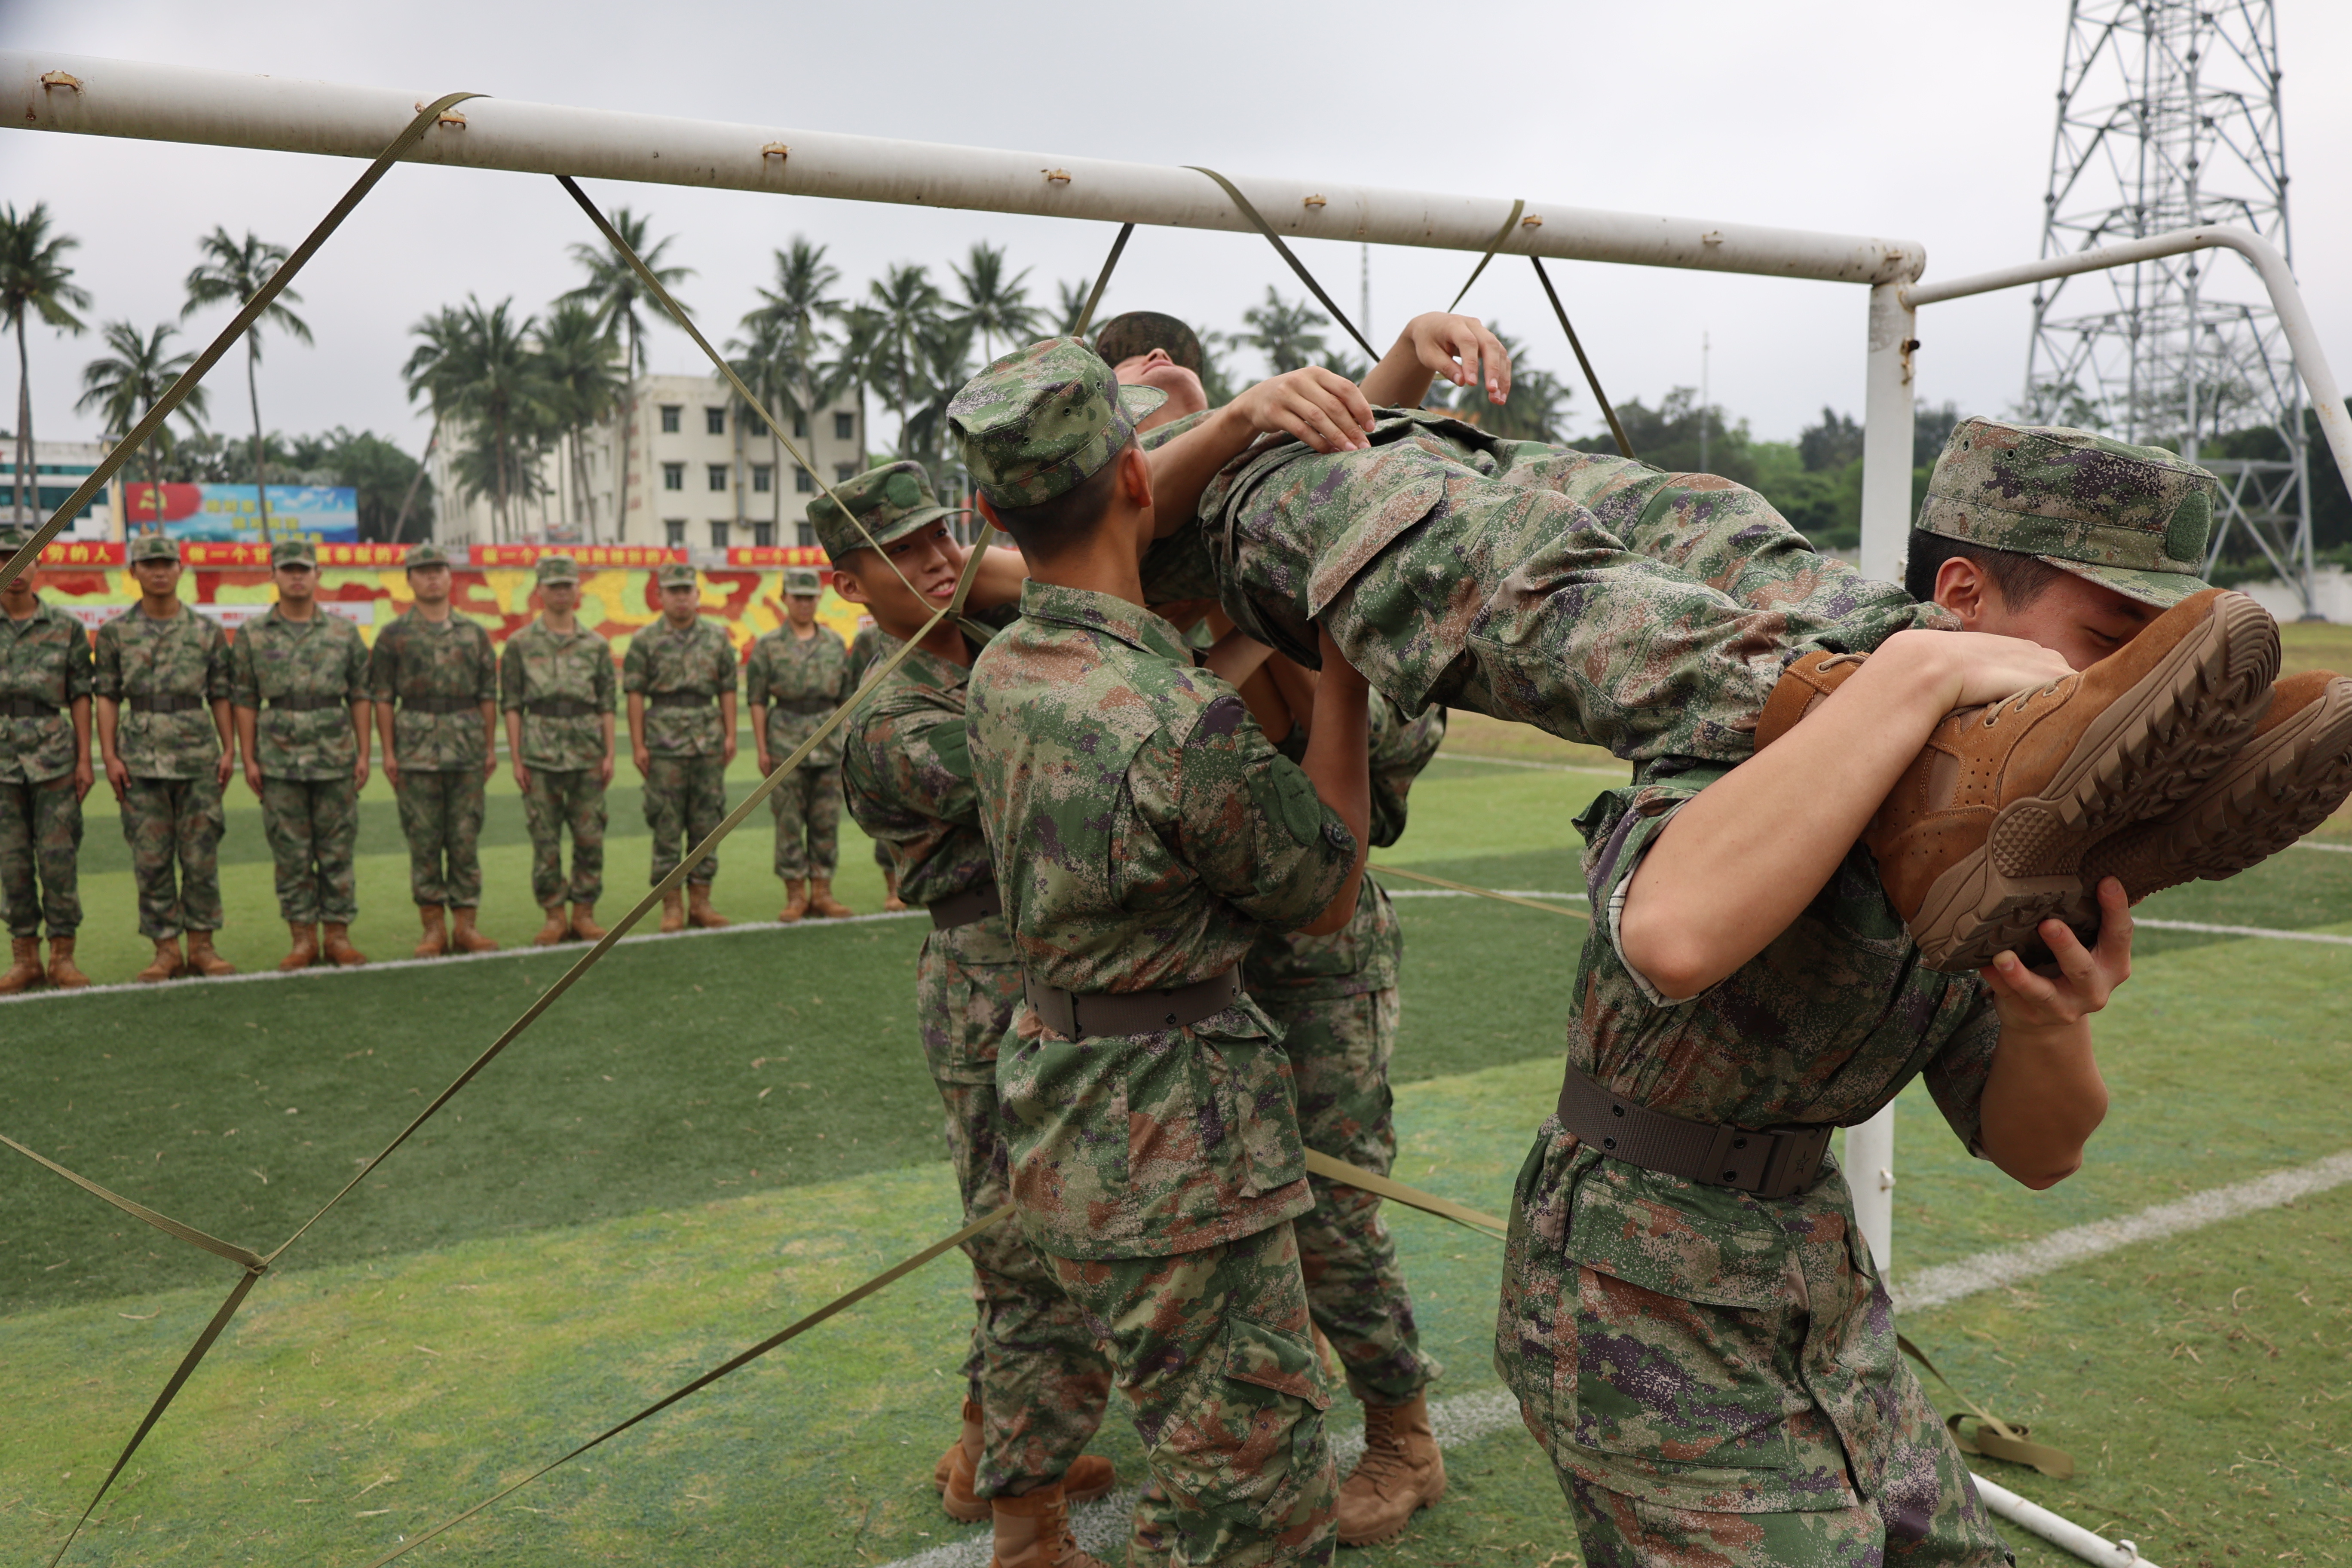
x=1964, y=588
x=845, y=584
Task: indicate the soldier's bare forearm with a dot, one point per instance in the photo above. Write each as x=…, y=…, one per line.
x=2043, y=1100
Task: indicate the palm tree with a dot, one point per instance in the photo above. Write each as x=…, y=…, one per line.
x=576, y=356
x=235, y=270
x=477, y=366
x=123, y=387
x=1285, y=332
x=859, y=363
x=613, y=290
x=788, y=337
x=1071, y=302
x=34, y=277
x=907, y=304
x=993, y=305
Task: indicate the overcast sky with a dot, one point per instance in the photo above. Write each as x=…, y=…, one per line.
x=1924, y=121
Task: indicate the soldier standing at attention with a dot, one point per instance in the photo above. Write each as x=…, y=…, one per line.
x=440, y=746
x=168, y=758
x=869, y=647
x=44, y=772
x=556, y=685
x=1145, y=834
x=675, y=672
x=798, y=674
x=306, y=757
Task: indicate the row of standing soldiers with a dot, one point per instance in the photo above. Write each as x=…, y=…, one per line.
x=169, y=706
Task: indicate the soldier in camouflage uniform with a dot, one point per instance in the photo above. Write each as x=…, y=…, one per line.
x=44, y=772
x=869, y=647
x=1035, y=1385
x=163, y=730
x=680, y=675
x=1146, y=834
x=557, y=686
x=298, y=691
x=797, y=675
x=439, y=749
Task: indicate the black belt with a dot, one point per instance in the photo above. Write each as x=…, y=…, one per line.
x=680, y=699
x=962, y=908
x=309, y=704
x=443, y=705
x=1131, y=1012
x=26, y=708
x=1772, y=1163
x=187, y=704
x=804, y=704
x=560, y=707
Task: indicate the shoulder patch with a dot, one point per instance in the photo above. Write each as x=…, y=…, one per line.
x=1286, y=795
x=951, y=742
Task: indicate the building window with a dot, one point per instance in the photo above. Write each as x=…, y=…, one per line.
x=800, y=426
x=808, y=534
x=714, y=421
x=763, y=534
x=670, y=412
x=717, y=476
x=843, y=472
x=674, y=532
x=673, y=475
x=717, y=535
x=804, y=482
x=763, y=478
x=844, y=427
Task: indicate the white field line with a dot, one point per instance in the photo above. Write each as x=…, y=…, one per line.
x=1540, y=767
x=2267, y=932
x=2331, y=848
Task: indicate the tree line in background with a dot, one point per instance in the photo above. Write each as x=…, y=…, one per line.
x=508, y=389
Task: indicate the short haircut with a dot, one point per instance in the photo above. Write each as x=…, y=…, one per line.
x=1052, y=525
x=2021, y=578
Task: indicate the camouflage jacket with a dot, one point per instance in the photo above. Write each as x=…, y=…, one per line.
x=1145, y=833
x=416, y=662
x=800, y=682
x=185, y=655
x=699, y=660
x=1824, y=1026
x=869, y=647
x=322, y=657
x=1366, y=954
x=45, y=659
x=906, y=777
x=578, y=667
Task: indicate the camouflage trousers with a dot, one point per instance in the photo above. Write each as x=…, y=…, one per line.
x=807, y=807
x=1034, y=1370
x=686, y=798
x=554, y=801
x=40, y=838
x=1339, y=1048
x=1596, y=598
x=173, y=827
x=313, y=827
x=1621, y=1532
x=1214, y=1353
x=441, y=817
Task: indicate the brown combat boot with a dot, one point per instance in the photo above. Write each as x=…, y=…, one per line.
x=1088, y=1478
x=436, y=931
x=822, y=902
x=891, y=902
x=556, y=929
x=1804, y=686
x=796, y=900
x=305, y=951
x=63, y=974
x=1033, y=1532
x=464, y=937
x=335, y=943
x=23, y=965
x=168, y=963
x=204, y=959
x=698, y=911
x=1401, y=1470
x=673, y=910
x=583, y=923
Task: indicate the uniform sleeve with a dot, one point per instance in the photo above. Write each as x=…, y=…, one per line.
x=243, y=679
x=485, y=665
x=1244, y=817
x=845, y=679
x=509, y=680
x=607, y=689
x=919, y=762
x=355, y=671
x=1619, y=828
x=381, y=679
x=1400, y=750
x=726, y=664
x=106, y=669
x=80, y=668
x=217, y=663
x=1956, y=1076
x=755, y=674
x=636, y=666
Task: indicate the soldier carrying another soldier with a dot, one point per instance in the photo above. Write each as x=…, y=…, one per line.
x=44, y=772
x=679, y=674
x=164, y=732
x=797, y=675
x=557, y=686
x=439, y=749
x=869, y=647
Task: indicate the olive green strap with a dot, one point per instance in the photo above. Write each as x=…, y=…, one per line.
x=1297, y=266
x=1993, y=1436
x=1102, y=281
x=163, y=1222
x=1347, y=1175
x=1493, y=245
x=1616, y=430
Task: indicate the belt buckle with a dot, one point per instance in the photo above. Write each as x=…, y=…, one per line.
x=1740, y=1157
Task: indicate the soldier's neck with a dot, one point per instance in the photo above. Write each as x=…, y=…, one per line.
x=802, y=633
x=563, y=626
x=433, y=612
x=20, y=606
x=298, y=609
x=159, y=606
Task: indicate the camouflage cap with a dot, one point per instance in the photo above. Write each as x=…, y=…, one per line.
x=2133, y=519
x=424, y=555
x=885, y=504
x=11, y=539
x=675, y=574
x=803, y=579
x=1141, y=332
x=294, y=552
x=1042, y=420
x=558, y=569
x=152, y=547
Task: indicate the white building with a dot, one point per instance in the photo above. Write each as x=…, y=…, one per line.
x=699, y=476
x=59, y=467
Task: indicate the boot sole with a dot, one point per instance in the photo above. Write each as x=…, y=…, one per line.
x=1432, y=1501
x=2149, y=750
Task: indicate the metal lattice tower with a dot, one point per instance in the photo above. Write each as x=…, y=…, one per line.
x=2169, y=119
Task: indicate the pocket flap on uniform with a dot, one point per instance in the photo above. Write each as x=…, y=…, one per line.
x=1272, y=1358
x=1369, y=531
x=1678, y=1239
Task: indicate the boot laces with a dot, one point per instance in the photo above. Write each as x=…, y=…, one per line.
x=2018, y=703
x=1384, y=1448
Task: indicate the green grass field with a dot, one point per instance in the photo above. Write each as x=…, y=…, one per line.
x=714, y=1133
